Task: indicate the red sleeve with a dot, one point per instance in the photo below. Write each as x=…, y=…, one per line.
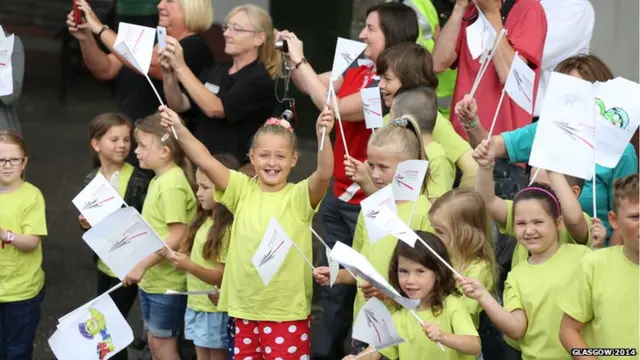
x=527, y=31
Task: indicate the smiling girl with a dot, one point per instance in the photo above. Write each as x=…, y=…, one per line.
x=22, y=224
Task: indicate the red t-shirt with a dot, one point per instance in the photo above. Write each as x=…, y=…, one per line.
x=526, y=27
x=356, y=134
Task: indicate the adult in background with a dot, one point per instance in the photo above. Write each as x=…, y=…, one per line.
x=183, y=19
x=229, y=101
x=8, y=103
x=387, y=24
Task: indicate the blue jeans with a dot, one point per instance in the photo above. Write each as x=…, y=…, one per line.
x=163, y=315
x=18, y=323
x=339, y=224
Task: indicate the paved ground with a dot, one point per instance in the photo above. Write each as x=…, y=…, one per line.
x=56, y=135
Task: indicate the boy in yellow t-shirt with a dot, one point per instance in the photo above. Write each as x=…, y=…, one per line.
x=601, y=303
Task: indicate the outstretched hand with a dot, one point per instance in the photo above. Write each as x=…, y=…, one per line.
x=169, y=118
x=473, y=288
x=356, y=170
x=326, y=120
x=484, y=155
x=466, y=110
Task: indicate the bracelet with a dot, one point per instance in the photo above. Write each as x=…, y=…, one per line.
x=104, y=27
x=303, y=61
x=472, y=125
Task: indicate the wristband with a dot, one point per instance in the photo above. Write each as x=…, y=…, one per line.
x=472, y=125
x=9, y=237
x=303, y=61
x=104, y=27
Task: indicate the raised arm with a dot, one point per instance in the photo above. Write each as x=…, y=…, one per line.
x=17, y=68
x=195, y=150
x=176, y=99
x=321, y=177
x=484, y=182
x=571, y=210
x=467, y=112
x=444, y=51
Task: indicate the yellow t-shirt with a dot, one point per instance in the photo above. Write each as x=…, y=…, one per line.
x=379, y=254
x=533, y=288
x=603, y=295
x=520, y=253
x=243, y=294
x=453, y=319
x=444, y=134
x=21, y=275
x=442, y=172
x=478, y=270
x=202, y=302
x=170, y=200
x=123, y=181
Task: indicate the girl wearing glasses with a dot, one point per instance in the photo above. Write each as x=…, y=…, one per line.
x=227, y=103
x=22, y=223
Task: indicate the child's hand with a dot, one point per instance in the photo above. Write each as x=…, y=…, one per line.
x=598, y=234
x=84, y=223
x=180, y=261
x=134, y=276
x=326, y=120
x=169, y=118
x=466, y=110
x=473, y=288
x=370, y=291
x=433, y=331
x=321, y=274
x=214, y=298
x=356, y=170
x=483, y=154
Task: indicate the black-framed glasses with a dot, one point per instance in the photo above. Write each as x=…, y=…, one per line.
x=237, y=29
x=12, y=162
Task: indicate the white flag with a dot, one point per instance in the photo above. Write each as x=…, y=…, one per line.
x=372, y=107
x=408, y=180
x=98, y=200
x=394, y=226
x=272, y=251
x=374, y=326
x=347, y=51
x=6, y=68
x=370, y=207
x=139, y=43
x=480, y=36
x=519, y=84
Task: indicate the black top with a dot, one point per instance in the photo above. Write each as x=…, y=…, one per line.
x=135, y=97
x=136, y=187
x=248, y=100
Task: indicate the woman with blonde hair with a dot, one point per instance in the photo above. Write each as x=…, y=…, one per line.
x=184, y=21
x=232, y=99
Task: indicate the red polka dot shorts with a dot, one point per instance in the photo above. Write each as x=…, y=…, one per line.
x=272, y=340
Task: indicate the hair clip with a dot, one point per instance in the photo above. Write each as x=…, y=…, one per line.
x=401, y=121
x=279, y=122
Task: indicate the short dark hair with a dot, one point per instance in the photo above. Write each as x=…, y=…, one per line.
x=420, y=102
x=411, y=63
x=398, y=22
x=625, y=188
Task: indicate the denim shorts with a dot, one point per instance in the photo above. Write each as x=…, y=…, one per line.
x=206, y=329
x=163, y=315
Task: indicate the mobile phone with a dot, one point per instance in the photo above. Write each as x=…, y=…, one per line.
x=77, y=14
x=162, y=37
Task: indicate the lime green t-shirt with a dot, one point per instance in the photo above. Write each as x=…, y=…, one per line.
x=202, y=302
x=123, y=181
x=442, y=172
x=520, y=253
x=478, y=270
x=444, y=134
x=533, y=288
x=23, y=212
x=603, y=295
x=170, y=200
x=379, y=254
x=453, y=319
x=287, y=297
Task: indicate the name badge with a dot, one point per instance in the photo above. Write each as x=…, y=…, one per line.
x=213, y=88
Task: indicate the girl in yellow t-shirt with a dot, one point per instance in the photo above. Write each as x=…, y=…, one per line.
x=390, y=145
x=271, y=320
x=22, y=223
x=110, y=136
x=203, y=255
x=168, y=208
x=417, y=274
x=461, y=220
x=530, y=314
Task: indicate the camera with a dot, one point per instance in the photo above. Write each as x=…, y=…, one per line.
x=282, y=46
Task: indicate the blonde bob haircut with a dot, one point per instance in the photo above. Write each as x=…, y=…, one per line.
x=198, y=14
x=261, y=21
